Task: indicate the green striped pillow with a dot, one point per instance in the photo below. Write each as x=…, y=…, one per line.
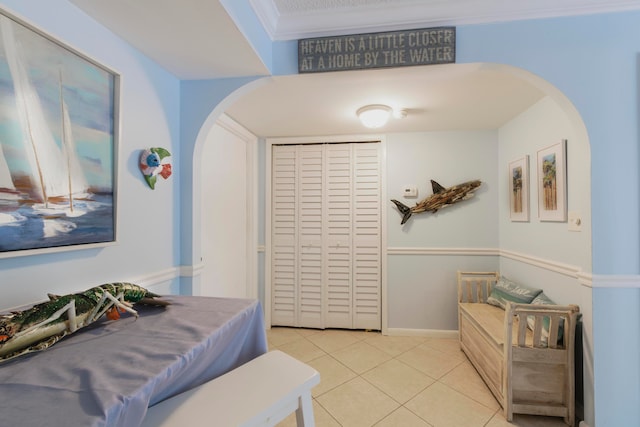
x=507, y=291
x=542, y=299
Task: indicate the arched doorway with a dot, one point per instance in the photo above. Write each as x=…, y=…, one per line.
x=285, y=106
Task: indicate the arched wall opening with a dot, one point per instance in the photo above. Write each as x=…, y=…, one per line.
x=545, y=254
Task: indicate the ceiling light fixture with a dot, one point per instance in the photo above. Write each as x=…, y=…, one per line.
x=374, y=116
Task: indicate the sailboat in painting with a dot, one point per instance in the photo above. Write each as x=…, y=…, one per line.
x=56, y=176
x=57, y=150
x=9, y=195
x=8, y=192
x=74, y=185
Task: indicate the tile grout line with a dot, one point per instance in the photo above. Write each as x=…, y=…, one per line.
x=392, y=357
x=361, y=376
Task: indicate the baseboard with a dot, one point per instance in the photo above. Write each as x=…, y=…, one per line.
x=429, y=333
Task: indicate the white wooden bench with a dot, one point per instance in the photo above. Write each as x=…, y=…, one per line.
x=261, y=392
x=526, y=374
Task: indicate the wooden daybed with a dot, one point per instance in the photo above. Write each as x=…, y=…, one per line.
x=528, y=371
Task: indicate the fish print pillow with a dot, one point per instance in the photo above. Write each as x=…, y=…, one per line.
x=507, y=291
x=542, y=299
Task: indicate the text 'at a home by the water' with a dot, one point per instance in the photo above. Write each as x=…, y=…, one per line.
x=377, y=50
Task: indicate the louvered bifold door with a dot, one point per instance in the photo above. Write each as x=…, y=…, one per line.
x=367, y=245
x=284, y=239
x=310, y=201
x=338, y=228
x=326, y=236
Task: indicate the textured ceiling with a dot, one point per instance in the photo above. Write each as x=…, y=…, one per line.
x=307, y=6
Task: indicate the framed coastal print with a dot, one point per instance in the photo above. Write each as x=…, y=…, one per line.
x=58, y=144
x=519, y=189
x=552, y=182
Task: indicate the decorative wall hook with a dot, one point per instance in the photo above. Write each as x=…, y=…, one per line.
x=153, y=162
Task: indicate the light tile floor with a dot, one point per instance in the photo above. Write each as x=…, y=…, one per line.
x=367, y=379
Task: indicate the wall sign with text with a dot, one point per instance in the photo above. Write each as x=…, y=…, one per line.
x=427, y=46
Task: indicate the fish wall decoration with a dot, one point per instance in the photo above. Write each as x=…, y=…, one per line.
x=153, y=162
x=441, y=198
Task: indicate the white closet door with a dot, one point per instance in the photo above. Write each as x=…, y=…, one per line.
x=338, y=228
x=326, y=235
x=284, y=241
x=310, y=201
x=367, y=232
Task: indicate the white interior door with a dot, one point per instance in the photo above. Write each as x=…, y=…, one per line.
x=227, y=212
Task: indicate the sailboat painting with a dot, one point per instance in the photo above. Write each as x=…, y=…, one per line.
x=58, y=144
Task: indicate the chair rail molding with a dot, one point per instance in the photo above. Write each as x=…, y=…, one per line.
x=442, y=251
x=583, y=277
x=616, y=281
x=191, y=270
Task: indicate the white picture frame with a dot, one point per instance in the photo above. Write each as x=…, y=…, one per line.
x=59, y=145
x=519, y=190
x=552, y=182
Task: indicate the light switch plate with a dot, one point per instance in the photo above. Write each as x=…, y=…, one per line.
x=574, y=220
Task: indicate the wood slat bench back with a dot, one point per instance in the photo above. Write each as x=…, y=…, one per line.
x=561, y=318
x=475, y=286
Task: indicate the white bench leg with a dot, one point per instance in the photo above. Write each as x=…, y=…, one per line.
x=304, y=413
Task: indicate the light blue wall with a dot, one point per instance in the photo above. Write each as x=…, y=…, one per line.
x=449, y=158
x=616, y=330
x=542, y=125
x=593, y=61
x=148, y=245
x=202, y=102
x=560, y=258
x=421, y=286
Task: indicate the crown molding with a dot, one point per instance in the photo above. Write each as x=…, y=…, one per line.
x=319, y=21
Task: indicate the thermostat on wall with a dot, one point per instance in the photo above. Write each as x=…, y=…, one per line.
x=410, y=191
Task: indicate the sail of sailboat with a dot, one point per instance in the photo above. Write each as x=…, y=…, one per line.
x=50, y=171
x=77, y=184
x=8, y=190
